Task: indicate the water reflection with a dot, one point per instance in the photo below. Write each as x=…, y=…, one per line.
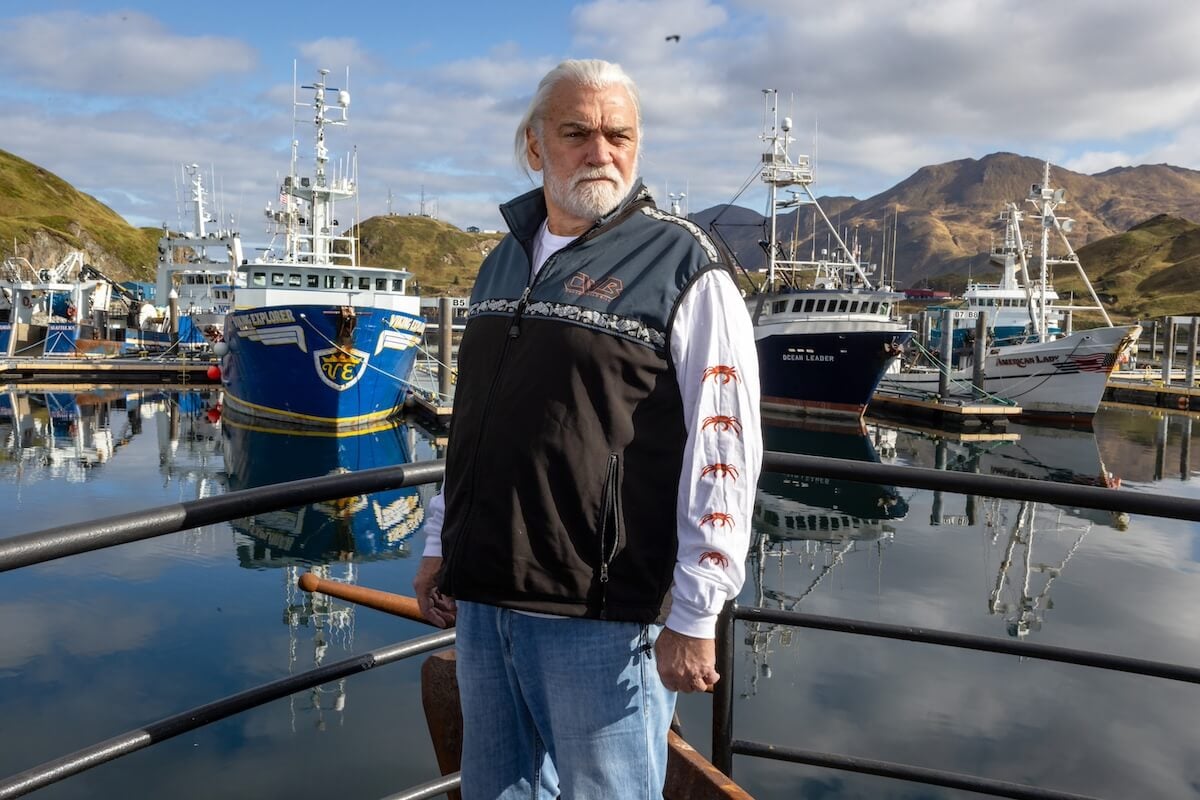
x=58, y=434
x=352, y=529
x=1026, y=544
x=813, y=523
x=328, y=538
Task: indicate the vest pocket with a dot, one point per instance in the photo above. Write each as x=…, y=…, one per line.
x=610, y=527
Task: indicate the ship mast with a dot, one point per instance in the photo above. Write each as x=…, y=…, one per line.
x=780, y=171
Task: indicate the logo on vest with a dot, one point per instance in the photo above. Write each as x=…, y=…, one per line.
x=340, y=369
x=607, y=289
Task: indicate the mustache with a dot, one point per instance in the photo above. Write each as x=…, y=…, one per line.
x=596, y=173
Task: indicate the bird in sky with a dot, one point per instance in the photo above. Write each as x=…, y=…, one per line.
x=674, y=37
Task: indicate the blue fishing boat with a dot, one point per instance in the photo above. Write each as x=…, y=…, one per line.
x=315, y=338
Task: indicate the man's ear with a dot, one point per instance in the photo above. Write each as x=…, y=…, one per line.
x=533, y=150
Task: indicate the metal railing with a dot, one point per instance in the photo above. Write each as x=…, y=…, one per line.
x=62, y=541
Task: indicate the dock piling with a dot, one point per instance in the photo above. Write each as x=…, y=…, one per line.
x=445, y=329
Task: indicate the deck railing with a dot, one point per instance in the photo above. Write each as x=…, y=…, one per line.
x=66, y=540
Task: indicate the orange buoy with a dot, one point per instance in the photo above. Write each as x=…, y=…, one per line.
x=214, y=373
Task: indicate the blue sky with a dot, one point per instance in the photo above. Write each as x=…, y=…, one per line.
x=114, y=97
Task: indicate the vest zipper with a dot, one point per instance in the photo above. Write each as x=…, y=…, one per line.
x=609, y=526
x=514, y=330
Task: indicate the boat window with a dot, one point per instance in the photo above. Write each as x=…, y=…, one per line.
x=330, y=281
x=347, y=282
x=260, y=279
x=797, y=305
x=874, y=308
x=294, y=279
x=397, y=284
x=381, y=284
x=779, y=306
x=820, y=306
x=313, y=281
x=809, y=303
x=841, y=306
x=853, y=306
x=886, y=309
x=364, y=282
x=277, y=279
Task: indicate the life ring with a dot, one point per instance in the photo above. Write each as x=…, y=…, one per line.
x=25, y=301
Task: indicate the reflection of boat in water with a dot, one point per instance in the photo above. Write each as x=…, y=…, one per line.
x=813, y=522
x=58, y=434
x=802, y=507
x=1021, y=593
x=359, y=528
x=1026, y=544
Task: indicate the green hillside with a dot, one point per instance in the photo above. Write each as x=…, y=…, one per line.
x=39, y=210
x=443, y=259
x=1151, y=270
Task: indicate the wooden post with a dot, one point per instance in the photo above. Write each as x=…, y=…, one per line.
x=947, y=351
x=1168, y=356
x=1153, y=341
x=926, y=330
x=977, y=369
x=445, y=346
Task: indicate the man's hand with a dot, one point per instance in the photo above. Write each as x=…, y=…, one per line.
x=436, y=607
x=686, y=664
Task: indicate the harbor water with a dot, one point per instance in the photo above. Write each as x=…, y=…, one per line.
x=103, y=643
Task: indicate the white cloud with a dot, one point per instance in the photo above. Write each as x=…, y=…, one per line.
x=115, y=54
x=921, y=82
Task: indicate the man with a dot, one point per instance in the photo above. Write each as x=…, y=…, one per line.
x=602, y=465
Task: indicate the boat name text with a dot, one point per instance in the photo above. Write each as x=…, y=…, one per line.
x=257, y=318
x=1026, y=360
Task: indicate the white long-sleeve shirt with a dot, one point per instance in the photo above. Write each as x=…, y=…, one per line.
x=712, y=346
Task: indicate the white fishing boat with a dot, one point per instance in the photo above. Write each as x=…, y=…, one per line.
x=1045, y=368
x=200, y=267
x=59, y=311
x=315, y=338
x=824, y=333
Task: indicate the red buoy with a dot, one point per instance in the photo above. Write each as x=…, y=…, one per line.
x=214, y=373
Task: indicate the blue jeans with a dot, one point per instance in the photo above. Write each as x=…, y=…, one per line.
x=560, y=707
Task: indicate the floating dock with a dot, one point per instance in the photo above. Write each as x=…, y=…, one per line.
x=1152, y=392
x=107, y=370
x=950, y=413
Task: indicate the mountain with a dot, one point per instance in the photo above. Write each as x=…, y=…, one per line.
x=47, y=217
x=1135, y=231
x=947, y=213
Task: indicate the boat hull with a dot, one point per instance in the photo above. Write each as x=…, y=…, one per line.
x=310, y=365
x=1061, y=377
x=824, y=373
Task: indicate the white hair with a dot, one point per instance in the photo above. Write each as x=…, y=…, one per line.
x=591, y=73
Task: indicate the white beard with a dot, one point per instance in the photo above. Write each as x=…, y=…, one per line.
x=583, y=198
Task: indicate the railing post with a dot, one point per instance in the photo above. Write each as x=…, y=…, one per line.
x=722, y=717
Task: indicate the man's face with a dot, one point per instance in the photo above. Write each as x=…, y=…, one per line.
x=587, y=154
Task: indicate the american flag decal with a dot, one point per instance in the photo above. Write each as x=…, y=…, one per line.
x=1096, y=362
